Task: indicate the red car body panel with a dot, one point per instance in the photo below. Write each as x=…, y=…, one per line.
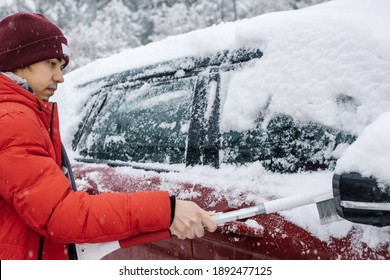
x=275, y=238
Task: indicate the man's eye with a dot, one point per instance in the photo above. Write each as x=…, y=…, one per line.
x=52, y=63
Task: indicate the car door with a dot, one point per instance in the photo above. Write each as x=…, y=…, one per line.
x=167, y=113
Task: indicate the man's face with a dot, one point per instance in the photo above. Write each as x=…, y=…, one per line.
x=43, y=77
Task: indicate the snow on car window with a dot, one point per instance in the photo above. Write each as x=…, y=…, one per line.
x=163, y=100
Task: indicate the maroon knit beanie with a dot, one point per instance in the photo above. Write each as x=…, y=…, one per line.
x=27, y=38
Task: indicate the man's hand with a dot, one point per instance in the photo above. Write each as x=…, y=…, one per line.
x=190, y=220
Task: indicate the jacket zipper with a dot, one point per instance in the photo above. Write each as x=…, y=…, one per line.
x=42, y=239
x=40, y=250
x=51, y=122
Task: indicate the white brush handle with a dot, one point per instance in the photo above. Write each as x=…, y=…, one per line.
x=96, y=251
x=272, y=206
x=235, y=215
x=295, y=201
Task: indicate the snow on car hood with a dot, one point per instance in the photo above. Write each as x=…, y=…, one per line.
x=329, y=64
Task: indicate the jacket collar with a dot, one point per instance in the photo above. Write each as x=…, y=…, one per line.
x=11, y=91
x=19, y=80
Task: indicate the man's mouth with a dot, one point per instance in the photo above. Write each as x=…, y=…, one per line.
x=52, y=90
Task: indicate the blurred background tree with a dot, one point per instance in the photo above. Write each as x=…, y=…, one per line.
x=99, y=28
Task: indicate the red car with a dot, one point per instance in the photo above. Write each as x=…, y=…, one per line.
x=263, y=111
x=268, y=236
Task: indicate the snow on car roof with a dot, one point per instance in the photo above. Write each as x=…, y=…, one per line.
x=329, y=64
x=313, y=58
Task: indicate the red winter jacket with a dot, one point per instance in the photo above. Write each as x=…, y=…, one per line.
x=36, y=199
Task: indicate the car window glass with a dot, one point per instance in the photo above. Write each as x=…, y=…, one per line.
x=283, y=145
x=146, y=123
x=164, y=113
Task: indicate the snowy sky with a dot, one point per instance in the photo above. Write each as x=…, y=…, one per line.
x=311, y=56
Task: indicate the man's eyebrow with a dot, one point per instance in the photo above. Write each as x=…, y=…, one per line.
x=61, y=61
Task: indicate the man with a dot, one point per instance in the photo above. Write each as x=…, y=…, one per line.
x=40, y=215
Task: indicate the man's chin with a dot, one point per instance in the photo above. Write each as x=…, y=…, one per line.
x=43, y=98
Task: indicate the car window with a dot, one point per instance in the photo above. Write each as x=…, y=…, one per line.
x=170, y=113
x=142, y=123
x=164, y=113
x=285, y=146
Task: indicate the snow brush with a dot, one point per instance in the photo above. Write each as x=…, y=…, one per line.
x=324, y=201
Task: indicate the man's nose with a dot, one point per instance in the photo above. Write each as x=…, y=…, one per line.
x=58, y=76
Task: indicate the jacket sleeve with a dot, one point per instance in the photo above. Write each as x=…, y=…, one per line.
x=34, y=184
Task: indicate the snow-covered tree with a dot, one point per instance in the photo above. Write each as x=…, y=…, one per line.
x=99, y=28
x=112, y=30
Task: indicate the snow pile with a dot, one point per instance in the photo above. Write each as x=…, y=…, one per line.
x=370, y=154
